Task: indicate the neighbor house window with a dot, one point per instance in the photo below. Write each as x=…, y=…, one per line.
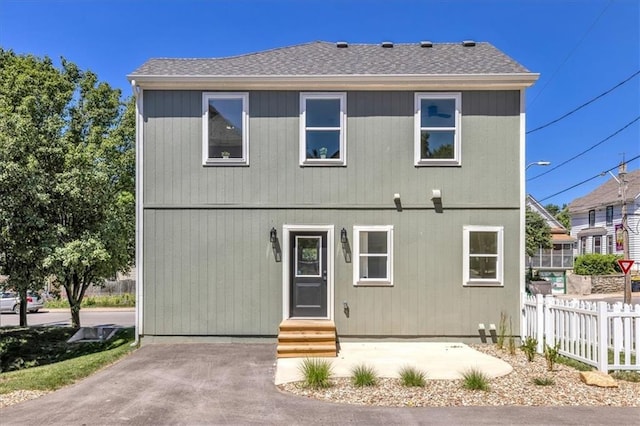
x=597, y=244
x=609, y=215
x=592, y=218
x=323, y=128
x=583, y=245
x=609, y=244
x=483, y=252
x=225, y=128
x=437, y=129
x=373, y=255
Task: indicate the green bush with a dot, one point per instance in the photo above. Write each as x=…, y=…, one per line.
x=597, y=264
x=474, y=379
x=410, y=376
x=316, y=373
x=363, y=375
x=529, y=348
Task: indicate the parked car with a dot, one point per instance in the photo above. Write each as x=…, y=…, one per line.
x=10, y=302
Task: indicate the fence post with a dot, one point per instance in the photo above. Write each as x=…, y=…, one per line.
x=539, y=321
x=603, y=338
x=550, y=323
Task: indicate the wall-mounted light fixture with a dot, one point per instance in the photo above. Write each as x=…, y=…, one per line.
x=275, y=245
x=436, y=197
x=397, y=202
x=346, y=249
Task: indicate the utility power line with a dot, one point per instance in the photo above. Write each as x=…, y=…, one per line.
x=571, y=52
x=584, y=104
x=587, y=180
x=586, y=150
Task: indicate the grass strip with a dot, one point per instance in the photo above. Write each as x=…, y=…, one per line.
x=54, y=376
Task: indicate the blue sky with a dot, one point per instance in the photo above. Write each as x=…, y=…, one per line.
x=580, y=48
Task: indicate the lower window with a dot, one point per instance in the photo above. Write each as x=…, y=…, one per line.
x=373, y=257
x=483, y=255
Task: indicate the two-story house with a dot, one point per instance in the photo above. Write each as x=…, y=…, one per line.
x=375, y=188
x=596, y=218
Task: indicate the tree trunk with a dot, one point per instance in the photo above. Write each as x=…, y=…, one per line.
x=75, y=316
x=23, y=308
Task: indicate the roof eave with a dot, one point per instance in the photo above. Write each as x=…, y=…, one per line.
x=514, y=81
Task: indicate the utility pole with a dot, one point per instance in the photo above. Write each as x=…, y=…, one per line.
x=622, y=175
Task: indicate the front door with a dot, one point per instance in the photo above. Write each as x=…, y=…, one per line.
x=308, y=295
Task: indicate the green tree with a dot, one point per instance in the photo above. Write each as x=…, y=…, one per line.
x=561, y=214
x=33, y=99
x=538, y=233
x=67, y=177
x=94, y=194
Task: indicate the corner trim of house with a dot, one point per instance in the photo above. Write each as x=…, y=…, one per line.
x=286, y=250
x=523, y=201
x=139, y=94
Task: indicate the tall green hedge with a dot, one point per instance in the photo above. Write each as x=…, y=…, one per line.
x=597, y=264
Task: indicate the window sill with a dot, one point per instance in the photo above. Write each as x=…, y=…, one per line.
x=225, y=162
x=373, y=284
x=438, y=163
x=323, y=163
x=487, y=283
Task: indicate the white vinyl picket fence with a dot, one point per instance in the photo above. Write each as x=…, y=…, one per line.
x=585, y=331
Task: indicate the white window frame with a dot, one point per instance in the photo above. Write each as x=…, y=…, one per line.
x=457, y=151
x=495, y=282
x=209, y=161
x=357, y=281
x=304, y=161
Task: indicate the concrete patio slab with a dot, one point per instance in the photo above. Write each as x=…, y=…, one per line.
x=439, y=360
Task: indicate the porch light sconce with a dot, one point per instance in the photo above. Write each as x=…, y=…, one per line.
x=436, y=197
x=275, y=245
x=346, y=249
x=397, y=202
x=345, y=308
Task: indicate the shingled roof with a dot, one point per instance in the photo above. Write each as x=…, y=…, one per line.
x=607, y=194
x=356, y=64
x=324, y=58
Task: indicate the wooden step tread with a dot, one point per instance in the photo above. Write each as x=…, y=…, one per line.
x=306, y=335
x=287, y=325
x=308, y=355
x=306, y=346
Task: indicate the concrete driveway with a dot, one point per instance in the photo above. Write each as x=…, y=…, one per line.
x=233, y=383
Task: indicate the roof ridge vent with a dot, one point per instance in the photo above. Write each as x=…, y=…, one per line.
x=468, y=43
x=342, y=44
x=387, y=44
x=426, y=43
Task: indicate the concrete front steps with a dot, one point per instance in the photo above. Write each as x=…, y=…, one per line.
x=307, y=338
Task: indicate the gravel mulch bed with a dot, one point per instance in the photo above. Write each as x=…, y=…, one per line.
x=19, y=396
x=516, y=388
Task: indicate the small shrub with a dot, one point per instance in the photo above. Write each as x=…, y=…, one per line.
x=512, y=339
x=363, y=375
x=551, y=354
x=474, y=379
x=410, y=376
x=544, y=381
x=573, y=363
x=502, y=330
x=529, y=348
x=628, y=376
x=316, y=373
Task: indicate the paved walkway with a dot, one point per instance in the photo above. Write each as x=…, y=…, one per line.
x=232, y=383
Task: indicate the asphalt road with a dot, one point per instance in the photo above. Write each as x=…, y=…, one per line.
x=88, y=317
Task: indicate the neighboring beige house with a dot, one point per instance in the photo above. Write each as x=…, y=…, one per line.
x=596, y=218
x=553, y=263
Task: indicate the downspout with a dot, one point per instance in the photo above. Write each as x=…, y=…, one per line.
x=138, y=93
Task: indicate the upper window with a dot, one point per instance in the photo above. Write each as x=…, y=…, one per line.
x=609, y=215
x=592, y=218
x=482, y=263
x=225, y=128
x=322, y=128
x=373, y=259
x=437, y=129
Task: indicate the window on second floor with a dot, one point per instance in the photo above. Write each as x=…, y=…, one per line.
x=323, y=129
x=592, y=218
x=225, y=118
x=437, y=129
x=609, y=215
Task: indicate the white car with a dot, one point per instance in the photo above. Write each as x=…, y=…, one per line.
x=10, y=302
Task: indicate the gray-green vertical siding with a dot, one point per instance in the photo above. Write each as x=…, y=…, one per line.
x=208, y=265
